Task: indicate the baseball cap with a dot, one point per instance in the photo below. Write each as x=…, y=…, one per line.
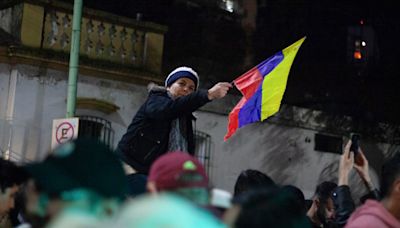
x=80, y=164
x=178, y=170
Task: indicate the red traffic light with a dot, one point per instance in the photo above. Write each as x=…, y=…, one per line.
x=357, y=55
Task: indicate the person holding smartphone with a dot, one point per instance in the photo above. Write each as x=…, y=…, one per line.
x=361, y=164
x=384, y=213
x=343, y=202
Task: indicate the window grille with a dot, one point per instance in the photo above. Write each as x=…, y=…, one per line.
x=203, y=149
x=96, y=127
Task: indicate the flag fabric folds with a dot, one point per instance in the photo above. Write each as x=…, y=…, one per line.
x=262, y=87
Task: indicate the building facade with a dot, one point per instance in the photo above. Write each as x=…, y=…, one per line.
x=119, y=57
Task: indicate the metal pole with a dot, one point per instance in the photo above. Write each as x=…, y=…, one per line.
x=10, y=110
x=74, y=58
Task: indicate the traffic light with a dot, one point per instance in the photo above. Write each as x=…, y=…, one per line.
x=360, y=44
x=360, y=51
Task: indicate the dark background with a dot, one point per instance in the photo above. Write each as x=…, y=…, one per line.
x=324, y=76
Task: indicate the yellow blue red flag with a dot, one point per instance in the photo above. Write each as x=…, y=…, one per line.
x=262, y=87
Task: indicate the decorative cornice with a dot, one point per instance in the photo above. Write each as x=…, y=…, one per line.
x=95, y=104
x=59, y=61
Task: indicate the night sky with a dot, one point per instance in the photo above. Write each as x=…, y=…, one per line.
x=323, y=76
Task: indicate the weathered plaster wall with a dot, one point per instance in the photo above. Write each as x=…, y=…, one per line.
x=41, y=97
x=280, y=151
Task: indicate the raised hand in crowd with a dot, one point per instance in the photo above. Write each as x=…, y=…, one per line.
x=362, y=167
x=345, y=165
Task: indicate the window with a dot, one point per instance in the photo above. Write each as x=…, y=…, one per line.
x=328, y=143
x=96, y=127
x=203, y=149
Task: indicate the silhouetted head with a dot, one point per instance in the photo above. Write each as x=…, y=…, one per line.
x=252, y=179
x=297, y=194
x=390, y=175
x=11, y=177
x=272, y=207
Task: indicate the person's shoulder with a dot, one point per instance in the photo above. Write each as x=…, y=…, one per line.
x=153, y=88
x=366, y=221
x=371, y=214
x=155, y=91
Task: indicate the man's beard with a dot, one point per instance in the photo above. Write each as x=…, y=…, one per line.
x=321, y=215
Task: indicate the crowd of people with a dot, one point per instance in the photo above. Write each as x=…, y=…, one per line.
x=153, y=179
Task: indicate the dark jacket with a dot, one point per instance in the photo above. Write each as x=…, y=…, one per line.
x=344, y=204
x=147, y=135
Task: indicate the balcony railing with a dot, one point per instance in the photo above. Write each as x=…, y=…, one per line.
x=107, y=40
x=99, y=39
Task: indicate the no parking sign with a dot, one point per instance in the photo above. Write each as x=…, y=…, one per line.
x=64, y=130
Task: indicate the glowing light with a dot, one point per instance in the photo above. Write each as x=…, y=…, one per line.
x=228, y=5
x=357, y=55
